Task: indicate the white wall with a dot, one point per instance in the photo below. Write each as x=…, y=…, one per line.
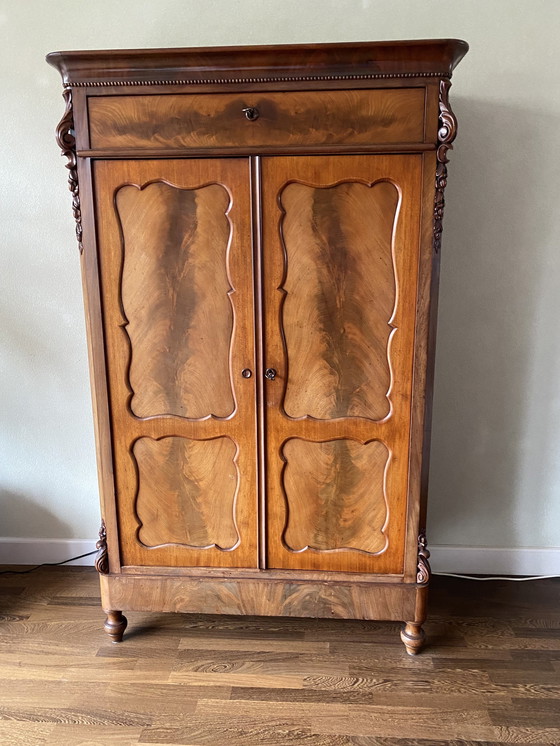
x=495, y=458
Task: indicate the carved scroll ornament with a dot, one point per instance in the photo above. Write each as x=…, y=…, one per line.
x=424, y=571
x=67, y=142
x=102, y=557
x=446, y=134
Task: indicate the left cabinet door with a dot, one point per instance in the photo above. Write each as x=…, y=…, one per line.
x=176, y=282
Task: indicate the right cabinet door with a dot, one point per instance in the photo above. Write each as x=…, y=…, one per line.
x=340, y=266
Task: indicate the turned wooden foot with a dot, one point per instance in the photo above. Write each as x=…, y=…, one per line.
x=413, y=637
x=115, y=625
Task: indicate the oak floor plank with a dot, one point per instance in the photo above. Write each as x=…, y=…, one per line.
x=263, y=663
x=32, y=692
x=235, y=679
x=93, y=735
x=374, y=696
x=17, y=733
x=531, y=734
x=248, y=645
x=523, y=713
x=132, y=671
x=86, y=714
x=205, y=731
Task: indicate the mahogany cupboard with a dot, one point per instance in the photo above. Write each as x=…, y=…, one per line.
x=260, y=231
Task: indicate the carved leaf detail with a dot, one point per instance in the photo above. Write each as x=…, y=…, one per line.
x=424, y=569
x=102, y=558
x=446, y=134
x=67, y=142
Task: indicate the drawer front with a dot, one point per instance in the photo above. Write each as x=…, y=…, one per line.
x=290, y=118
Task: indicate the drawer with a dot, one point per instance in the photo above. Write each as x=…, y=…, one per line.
x=291, y=118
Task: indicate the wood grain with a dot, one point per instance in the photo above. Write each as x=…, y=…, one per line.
x=182, y=329
x=186, y=492
x=287, y=118
x=264, y=597
x=175, y=296
x=335, y=491
x=200, y=679
x=368, y=266
x=283, y=64
x=340, y=290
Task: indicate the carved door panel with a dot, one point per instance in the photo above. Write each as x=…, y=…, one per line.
x=177, y=291
x=339, y=278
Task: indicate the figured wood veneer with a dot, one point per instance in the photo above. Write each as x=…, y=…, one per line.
x=340, y=296
x=289, y=118
x=264, y=597
x=186, y=492
x=335, y=494
x=175, y=290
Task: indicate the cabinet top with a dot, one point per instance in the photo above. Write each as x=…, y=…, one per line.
x=260, y=64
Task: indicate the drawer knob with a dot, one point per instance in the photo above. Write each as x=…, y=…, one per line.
x=246, y=373
x=270, y=373
x=251, y=113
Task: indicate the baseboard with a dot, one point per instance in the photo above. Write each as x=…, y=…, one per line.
x=16, y=551
x=495, y=560
x=445, y=558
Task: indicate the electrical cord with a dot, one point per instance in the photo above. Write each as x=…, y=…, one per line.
x=444, y=574
x=486, y=577
x=46, y=564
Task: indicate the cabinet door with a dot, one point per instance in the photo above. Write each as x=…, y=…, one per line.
x=340, y=248
x=175, y=262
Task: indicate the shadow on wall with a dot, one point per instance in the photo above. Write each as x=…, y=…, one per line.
x=18, y=507
x=498, y=357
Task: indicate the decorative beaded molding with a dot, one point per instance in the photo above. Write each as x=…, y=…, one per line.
x=67, y=143
x=278, y=79
x=446, y=134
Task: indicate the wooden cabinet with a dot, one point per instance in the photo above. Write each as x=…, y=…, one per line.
x=260, y=231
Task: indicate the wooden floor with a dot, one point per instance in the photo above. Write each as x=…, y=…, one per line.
x=490, y=675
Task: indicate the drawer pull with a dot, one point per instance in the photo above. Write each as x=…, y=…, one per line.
x=246, y=373
x=270, y=373
x=251, y=113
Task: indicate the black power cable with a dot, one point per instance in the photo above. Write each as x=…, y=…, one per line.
x=46, y=564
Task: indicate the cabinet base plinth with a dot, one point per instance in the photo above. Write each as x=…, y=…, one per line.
x=266, y=597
